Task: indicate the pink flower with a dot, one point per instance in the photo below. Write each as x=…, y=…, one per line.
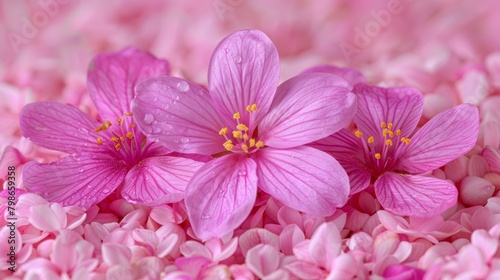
x=104, y=156
x=384, y=150
x=255, y=132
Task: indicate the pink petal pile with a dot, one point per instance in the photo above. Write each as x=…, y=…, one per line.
x=244, y=139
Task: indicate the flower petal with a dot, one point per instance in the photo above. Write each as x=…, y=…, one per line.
x=353, y=76
x=244, y=70
x=179, y=114
x=325, y=244
x=159, y=180
x=401, y=106
x=220, y=195
x=81, y=180
x=444, y=138
x=306, y=108
x=60, y=127
x=303, y=178
x=112, y=77
x=414, y=195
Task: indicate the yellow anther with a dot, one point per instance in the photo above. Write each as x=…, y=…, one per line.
x=388, y=142
x=129, y=135
x=228, y=145
x=358, y=133
x=223, y=131
x=115, y=139
x=377, y=156
x=118, y=146
x=249, y=108
x=403, y=139
x=391, y=134
x=259, y=144
x=254, y=107
x=252, y=142
x=119, y=121
x=244, y=148
x=407, y=141
x=122, y=138
x=236, y=115
x=242, y=127
x=99, y=141
x=129, y=114
x=398, y=132
x=108, y=123
x=245, y=137
x=237, y=134
x=384, y=132
x=389, y=125
x=101, y=128
x=131, y=124
x=383, y=125
x=371, y=139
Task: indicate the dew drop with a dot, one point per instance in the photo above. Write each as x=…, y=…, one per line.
x=184, y=140
x=89, y=187
x=205, y=217
x=226, y=50
x=242, y=173
x=105, y=190
x=148, y=118
x=237, y=59
x=80, y=170
x=222, y=192
x=155, y=98
x=182, y=86
x=156, y=111
x=165, y=106
x=156, y=129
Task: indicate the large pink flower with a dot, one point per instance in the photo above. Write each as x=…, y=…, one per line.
x=104, y=155
x=385, y=150
x=255, y=132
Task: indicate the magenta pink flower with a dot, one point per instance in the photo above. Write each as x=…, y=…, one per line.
x=255, y=133
x=385, y=151
x=108, y=155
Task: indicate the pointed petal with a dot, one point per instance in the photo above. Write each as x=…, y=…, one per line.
x=60, y=127
x=262, y=260
x=353, y=76
x=244, y=70
x=303, y=178
x=401, y=106
x=81, y=180
x=307, y=108
x=414, y=195
x=220, y=195
x=159, y=180
x=325, y=244
x=444, y=138
x=112, y=77
x=179, y=114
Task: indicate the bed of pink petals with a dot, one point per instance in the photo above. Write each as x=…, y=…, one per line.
x=451, y=58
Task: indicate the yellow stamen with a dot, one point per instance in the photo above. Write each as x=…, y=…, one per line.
x=391, y=134
x=108, y=123
x=129, y=135
x=383, y=125
x=99, y=141
x=237, y=134
x=407, y=141
x=119, y=121
x=358, y=133
x=245, y=137
x=228, y=145
x=122, y=138
x=398, y=132
x=129, y=114
x=389, y=125
x=254, y=107
x=131, y=124
x=118, y=146
x=244, y=148
x=252, y=142
x=115, y=139
x=403, y=139
x=377, y=156
x=371, y=139
x=259, y=144
x=223, y=131
x=388, y=142
x=236, y=115
x=101, y=128
x=249, y=108
x=384, y=132
x=242, y=127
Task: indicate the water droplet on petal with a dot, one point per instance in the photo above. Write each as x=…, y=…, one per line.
x=226, y=50
x=156, y=111
x=105, y=190
x=148, y=118
x=242, y=173
x=80, y=170
x=165, y=106
x=182, y=86
x=156, y=129
x=155, y=98
x=184, y=140
x=205, y=217
x=222, y=192
x=237, y=59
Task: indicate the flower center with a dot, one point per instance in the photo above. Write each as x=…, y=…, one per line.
x=381, y=150
x=241, y=141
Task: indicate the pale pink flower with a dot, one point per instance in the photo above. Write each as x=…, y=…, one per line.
x=243, y=76
x=109, y=156
x=386, y=152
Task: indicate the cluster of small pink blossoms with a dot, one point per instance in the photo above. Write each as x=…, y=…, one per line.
x=134, y=173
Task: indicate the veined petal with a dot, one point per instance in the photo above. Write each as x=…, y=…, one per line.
x=353, y=76
x=401, y=106
x=325, y=244
x=303, y=178
x=244, y=70
x=220, y=195
x=112, y=76
x=61, y=127
x=179, y=114
x=444, y=138
x=306, y=108
x=80, y=180
x=414, y=195
x=159, y=180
